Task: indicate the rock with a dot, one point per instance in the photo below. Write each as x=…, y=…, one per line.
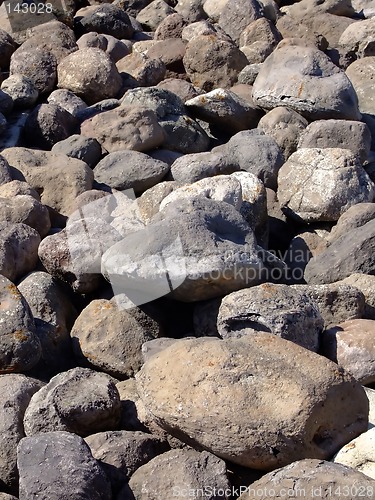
x=179, y=471
x=184, y=135
x=281, y=310
x=7, y=47
x=315, y=477
x=89, y=73
x=149, y=202
x=260, y=31
x=126, y=127
x=79, y=401
x=82, y=148
x=170, y=27
x=171, y=52
x=285, y=126
x=193, y=167
x=130, y=170
x=18, y=249
x=205, y=27
x=163, y=102
x=224, y=109
x=47, y=462
x=99, y=107
x=191, y=10
x=139, y=70
x=121, y=453
x=366, y=284
x=358, y=39
x=19, y=348
x=196, y=387
x=196, y=243
x=306, y=80
x=344, y=134
x=350, y=344
x=337, y=302
x=361, y=74
x=129, y=414
x=5, y=172
x=249, y=73
x=356, y=216
x=221, y=188
x=110, y=338
x=114, y=48
x=254, y=152
x=211, y=62
x=54, y=37
x=3, y=123
x=68, y=101
x=59, y=186
x=22, y=90
x=325, y=171
x=359, y=454
x=183, y=89
x=347, y=255
x=16, y=391
x=54, y=315
x=48, y=124
x=6, y=103
x=336, y=7
x=235, y=17
x=26, y=210
x=16, y=188
x=36, y=64
x=153, y=14
x=370, y=393
x=107, y=19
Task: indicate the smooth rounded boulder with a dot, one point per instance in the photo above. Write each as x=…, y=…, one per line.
x=225, y=396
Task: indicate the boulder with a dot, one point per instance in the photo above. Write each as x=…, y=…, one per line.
x=366, y=284
x=198, y=390
x=20, y=348
x=67, y=100
x=107, y=19
x=27, y=210
x=180, y=471
x=37, y=64
x=58, y=178
x=356, y=216
x=79, y=401
x=126, y=127
x=359, y=454
x=306, y=80
x=321, y=184
x=139, y=70
x=47, y=463
x=154, y=13
x=81, y=148
x=317, y=478
x=351, y=345
x=287, y=312
x=22, y=90
x=235, y=16
x=110, y=338
x=16, y=391
x=89, y=73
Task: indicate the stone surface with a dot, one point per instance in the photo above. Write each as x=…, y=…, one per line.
x=39, y=65
x=18, y=249
x=344, y=134
x=306, y=80
x=20, y=348
x=126, y=127
x=317, y=478
x=130, y=170
x=321, y=184
x=139, y=70
x=285, y=126
x=349, y=254
x=47, y=463
x=154, y=13
x=356, y=216
x=21, y=89
x=54, y=315
x=67, y=100
x=359, y=454
x=58, y=178
x=79, y=401
x=178, y=471
x=359, y=39
x=16, y=391
x=110, y=338
x=351, y=345
x=235, y=16
x=27, y=210
x=197, y=388
x=79, y=147
x=278, y=309
x=366, y=284
x=211, y=62
x=107, y=19
x=89, y=73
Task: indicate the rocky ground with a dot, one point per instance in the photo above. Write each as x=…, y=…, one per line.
x=187, y=241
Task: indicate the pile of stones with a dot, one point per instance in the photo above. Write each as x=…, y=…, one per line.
x=187, y=241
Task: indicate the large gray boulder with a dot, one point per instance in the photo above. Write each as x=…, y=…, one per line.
x=321, y=184
x=49, y=462
x=279, y=309
x=199, y=391
x=306, y=80
x=80, y=400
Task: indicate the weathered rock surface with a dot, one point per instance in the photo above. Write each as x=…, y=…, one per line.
x=214, y=380
x=366, y=284
x=359, y=454
x=47, y=463
x=79, y=401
